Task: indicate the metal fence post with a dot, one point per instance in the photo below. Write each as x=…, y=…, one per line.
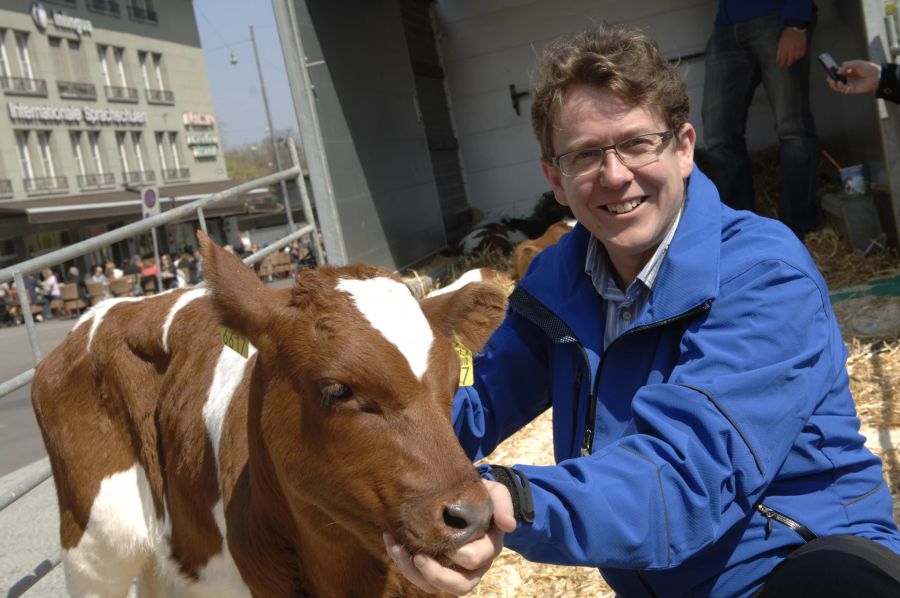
x=202, y=220
x=307, y=205
x=25, y=305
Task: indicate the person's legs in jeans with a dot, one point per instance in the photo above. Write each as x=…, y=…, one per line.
x=788, y=93
x=836, y=566
x=732, y=75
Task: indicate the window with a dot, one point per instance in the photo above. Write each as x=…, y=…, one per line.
x=138, y=154
x=46, y=153
x=4, y=59
x=161, y=150
x=119, y=54
x=142, y=60
x=120, y=145
x=94, y=138
x=157, y=59
x=76, y=62
x=75, y=137
x=142, y=10
x=24, y=154
x=173, y=146
x=104, y=68
x=22, y=54
x=59, y=58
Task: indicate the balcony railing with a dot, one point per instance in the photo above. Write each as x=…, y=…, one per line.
x=160, y=96
x=94, y=181
x=23, y=86
x=114, y=93
x=106, y=7
x=138, y=176
x=75, y=90
x=5, y=188
x=173, y=174
x=46, y=184
x=142, y=14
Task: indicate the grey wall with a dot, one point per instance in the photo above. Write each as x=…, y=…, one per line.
x=374, y=139
x=489, y=45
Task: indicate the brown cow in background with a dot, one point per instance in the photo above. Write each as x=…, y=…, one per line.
x=270, y=466
x=527, y=250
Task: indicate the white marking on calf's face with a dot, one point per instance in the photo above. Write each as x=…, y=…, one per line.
x=392, y=310
x=227, y=376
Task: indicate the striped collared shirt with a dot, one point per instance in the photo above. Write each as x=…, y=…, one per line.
x=623, y=308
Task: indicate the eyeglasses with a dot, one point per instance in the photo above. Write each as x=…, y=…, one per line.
x=633, y=153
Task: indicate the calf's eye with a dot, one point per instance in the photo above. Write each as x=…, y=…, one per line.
x=335, y=391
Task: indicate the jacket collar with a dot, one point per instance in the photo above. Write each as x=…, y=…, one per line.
x=688, y=277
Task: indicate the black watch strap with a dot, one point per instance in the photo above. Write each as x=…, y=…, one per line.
x=519, y=489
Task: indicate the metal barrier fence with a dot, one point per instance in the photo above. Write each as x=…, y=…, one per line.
x=16, y=272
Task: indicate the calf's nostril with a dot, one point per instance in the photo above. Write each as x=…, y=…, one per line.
x=469, y=521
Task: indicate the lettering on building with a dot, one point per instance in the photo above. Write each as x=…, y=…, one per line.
x=201, y=136
x=60, y=20
x=73, y=115
x=199, y=119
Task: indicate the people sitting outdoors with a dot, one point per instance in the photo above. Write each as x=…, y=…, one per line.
x=73, y=276
x=97, y=275
x=189, y=262
x=50, y=285
x=111, y=270
x=37, y=296
x=167, y=272
x=9, y=313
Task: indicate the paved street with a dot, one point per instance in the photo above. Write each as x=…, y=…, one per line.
x=20, y=439
x=29, y=526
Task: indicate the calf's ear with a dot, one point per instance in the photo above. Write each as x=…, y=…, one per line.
x=472, y=313
x=242, y=302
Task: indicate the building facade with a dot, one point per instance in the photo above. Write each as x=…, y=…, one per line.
x=101, y=98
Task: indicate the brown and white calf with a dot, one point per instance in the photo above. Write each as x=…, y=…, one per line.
x=526, y=251
x=199, y=471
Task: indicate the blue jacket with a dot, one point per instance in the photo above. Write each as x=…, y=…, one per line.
x=720, y=430
x=738, y=11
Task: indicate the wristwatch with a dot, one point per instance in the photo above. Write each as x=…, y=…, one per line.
x=799, y=26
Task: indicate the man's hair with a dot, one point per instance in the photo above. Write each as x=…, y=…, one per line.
x=614, y=58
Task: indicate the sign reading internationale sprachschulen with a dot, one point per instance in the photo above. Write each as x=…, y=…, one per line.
x=73, y=115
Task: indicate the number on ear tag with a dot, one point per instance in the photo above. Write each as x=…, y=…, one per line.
x=235, y=342
x=466, y=366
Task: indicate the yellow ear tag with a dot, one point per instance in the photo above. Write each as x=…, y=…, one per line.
x=466, y=367
x=235, y=342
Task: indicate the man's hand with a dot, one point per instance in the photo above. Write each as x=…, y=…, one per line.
x=862, y=77
x=472, y=560
x=791, y=47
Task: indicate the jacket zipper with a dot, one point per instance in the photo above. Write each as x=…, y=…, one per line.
x=579, y=372
x=592, y=400
x=773, y=515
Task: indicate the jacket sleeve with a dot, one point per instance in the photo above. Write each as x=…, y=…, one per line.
x=510, y=390
x=887, y=85
x=797, y=11
x=708, y=439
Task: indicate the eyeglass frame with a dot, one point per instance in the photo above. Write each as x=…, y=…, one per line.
x=665, y=136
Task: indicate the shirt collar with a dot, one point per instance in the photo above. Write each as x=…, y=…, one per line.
x=599, y=268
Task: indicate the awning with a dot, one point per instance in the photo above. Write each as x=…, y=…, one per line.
x=127, y=204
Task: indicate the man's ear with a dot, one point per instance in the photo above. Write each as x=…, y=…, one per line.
x=472, y=313
x=242, y=302
x=685, y=141
x=554, y=177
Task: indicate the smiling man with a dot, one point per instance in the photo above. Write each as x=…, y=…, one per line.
x=705, y=436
